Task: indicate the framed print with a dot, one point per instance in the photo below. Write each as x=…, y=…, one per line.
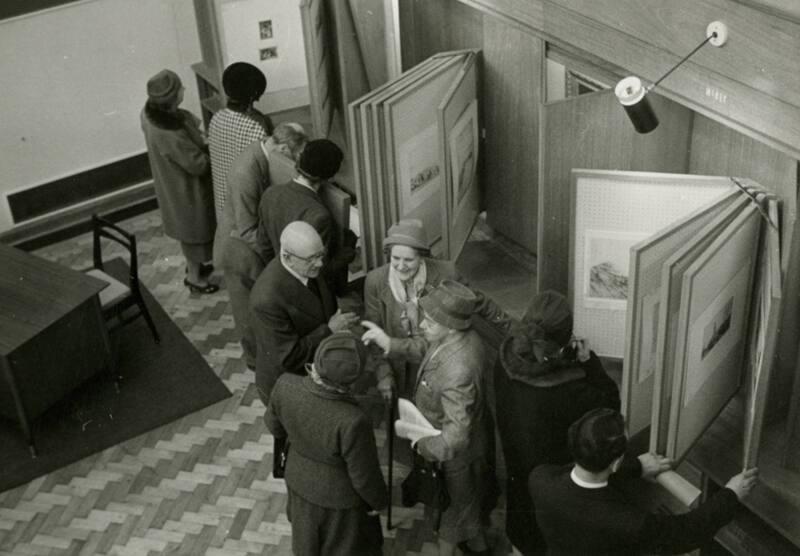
x=463, y=139
x=672, y=271
x=712, y=331
x=643, y=307
x=420, y=168
x=611, y=212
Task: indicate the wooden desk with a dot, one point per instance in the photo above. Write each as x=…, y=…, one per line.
x=52, y=334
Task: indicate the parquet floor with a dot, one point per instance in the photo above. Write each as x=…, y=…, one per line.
x=195, y=486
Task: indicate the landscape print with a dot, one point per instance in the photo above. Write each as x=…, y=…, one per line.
x=607, y=256
x=717, y=328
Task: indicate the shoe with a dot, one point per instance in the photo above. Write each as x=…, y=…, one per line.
x=205, y=269
x=195, y=288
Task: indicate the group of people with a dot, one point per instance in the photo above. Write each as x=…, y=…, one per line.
x=265, y=225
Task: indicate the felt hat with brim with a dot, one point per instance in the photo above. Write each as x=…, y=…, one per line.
x=163, y=87
x=410, y=233
x=450, y=304
x=340, y=358
x=320, y=159
x=243, y=82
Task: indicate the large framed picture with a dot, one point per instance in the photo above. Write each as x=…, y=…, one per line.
x=612, y=212
x=643, y=308
x=464, y=154
x=712, y=331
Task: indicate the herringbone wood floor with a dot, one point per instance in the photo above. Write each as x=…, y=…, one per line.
x=199, y=485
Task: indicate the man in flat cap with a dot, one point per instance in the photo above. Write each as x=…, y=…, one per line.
x=544, y=380
x=237, y=125
x=581, y=510
x=299, y=199
x=292, y=309
x=449, y=392
x=332, y=472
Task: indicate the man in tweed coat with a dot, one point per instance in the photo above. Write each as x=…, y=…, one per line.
x=332, y=474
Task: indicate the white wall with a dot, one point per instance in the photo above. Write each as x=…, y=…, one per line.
x=74, y=82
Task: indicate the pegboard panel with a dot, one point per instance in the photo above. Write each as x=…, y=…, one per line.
x=612, y=212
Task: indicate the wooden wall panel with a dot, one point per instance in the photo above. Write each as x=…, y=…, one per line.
x=678, y=26
x=590, y=131
x=719, y=150
x=370, y=28
x=512, y=61
x=431, y=26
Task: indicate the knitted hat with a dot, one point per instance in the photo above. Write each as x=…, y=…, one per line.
x=451, y=304
x=340, y=358
x=407, y=232
x=551, y=311
x=163, y=87
x=243, y=82
x=320, y=160
x=597, y=439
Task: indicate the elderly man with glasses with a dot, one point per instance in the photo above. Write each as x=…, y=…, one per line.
x=291, y=308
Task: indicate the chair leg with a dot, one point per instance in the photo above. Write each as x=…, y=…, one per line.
x=148, y=318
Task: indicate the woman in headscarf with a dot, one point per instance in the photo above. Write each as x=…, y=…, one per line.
x=179, y=160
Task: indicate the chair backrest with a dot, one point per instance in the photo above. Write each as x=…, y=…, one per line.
x=102, y=228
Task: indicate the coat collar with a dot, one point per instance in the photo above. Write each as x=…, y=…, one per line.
x=433, y=268
x=302, y=298
x=321, y=392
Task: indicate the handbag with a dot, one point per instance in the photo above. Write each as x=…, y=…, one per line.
x=425, y=483
x=280, y=453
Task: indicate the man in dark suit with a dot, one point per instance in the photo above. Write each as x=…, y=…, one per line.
x=291, y=308
x=332, y=473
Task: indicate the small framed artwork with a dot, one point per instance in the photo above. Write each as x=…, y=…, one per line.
x=265, y=29
x=268, y=53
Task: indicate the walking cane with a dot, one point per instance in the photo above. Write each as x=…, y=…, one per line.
x=390, y=435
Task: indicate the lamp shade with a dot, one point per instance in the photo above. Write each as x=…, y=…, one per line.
x=633, y=98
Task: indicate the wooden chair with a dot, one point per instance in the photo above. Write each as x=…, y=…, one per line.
x=117, y=298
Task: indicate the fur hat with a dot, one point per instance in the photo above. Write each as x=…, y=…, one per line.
x=163, y=87
x=409, y=232
x=597, y=439
x=320, y=160
x=340, y=358
x=551, y=312
x=450, y=304
x=243, y=82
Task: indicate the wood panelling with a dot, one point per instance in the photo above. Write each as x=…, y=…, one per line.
x=756, y=110
x=511, y=98
x=352, y=67
x=590, y=131
x=719, y=150
x=431, y=26
x=678, y=26
x=370, y=29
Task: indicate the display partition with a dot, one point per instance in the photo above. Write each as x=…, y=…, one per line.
x=672, y=272
x=766, y=320
x=402, y=140
x=642, y=312
x=610, y=213
x=712, y=331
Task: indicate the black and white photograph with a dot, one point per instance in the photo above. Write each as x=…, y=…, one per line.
x=265, y=29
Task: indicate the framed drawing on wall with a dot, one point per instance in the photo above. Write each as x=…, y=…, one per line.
x=712, y=331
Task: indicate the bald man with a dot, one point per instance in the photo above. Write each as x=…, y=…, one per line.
x=291, y=308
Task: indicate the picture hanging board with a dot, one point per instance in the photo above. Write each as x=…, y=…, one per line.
x=672, y=272
x=644, y=296
x=767, y=320
x=712, y=331
x=612, y=211
x=459, y=146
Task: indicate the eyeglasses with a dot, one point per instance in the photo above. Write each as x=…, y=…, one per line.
x=315, y=258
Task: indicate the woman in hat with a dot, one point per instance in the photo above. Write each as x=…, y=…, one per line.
x=544, y=380
x=179, y=160
x=332, y=473
x=237, y=125
x=392, y=293
x=449, y=392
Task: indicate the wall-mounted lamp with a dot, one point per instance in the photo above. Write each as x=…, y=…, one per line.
x=632, y=93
